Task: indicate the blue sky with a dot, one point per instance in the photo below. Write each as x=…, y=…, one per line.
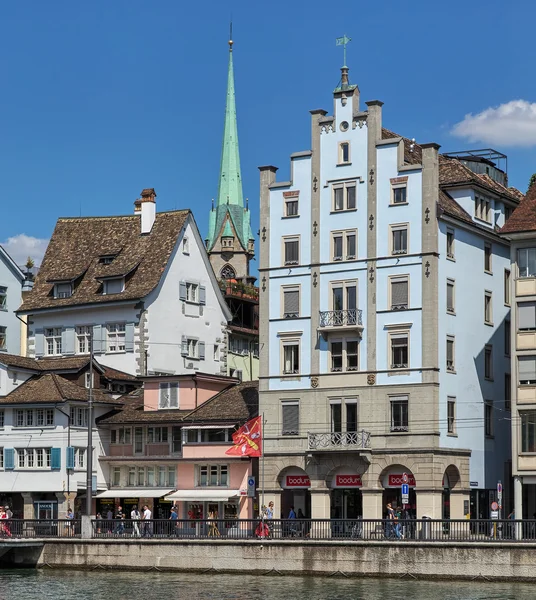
x=104, y=98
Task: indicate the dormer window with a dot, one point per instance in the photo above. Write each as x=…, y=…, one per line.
x=63, y=290
x=113, y=286
x=106, y=259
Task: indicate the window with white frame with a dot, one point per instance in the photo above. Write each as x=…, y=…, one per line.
x=528, y=431
x=3, y=338
x=507, y=291
x=399, y=292
x=399, y=349
x=192, y=292
x=344, y=298
x=83, y=339
x=157, y=435
x=450, y=243
x=87, y=380
x=212, y=475
x=80, y=458
x=344, y=196
x=53, y=341
x=527, y=370
x=344, y=153
x=33, y=458
x=3, y=297
x=216, y=352
x=290, y=417
x=116, y=476
x=169, y=395
x=185, y=245
x=79, y=416
x=344, y=245
x=115, y=337
x=488, y=361
x=399, y=413
x=487, y=257
x=450, y=296
x=239, y=345
x=399, y=193
x=344, y=355
x=210, y=435
x=450, y=354
x=113, y=286
x=526, y=262
x=291, y=204
x=291, y=250
x=483, y=208
x=63, y=290
x=121, y=435
x=488, y=308
x=291, y=356
x=34, y=417
x=451, y=414
x=291, y=302
x=190, y=348
x=399, y=239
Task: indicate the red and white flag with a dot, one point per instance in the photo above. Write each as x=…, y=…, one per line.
x=247, y=440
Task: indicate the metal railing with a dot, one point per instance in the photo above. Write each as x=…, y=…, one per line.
x=408, y=530
x=39, y=528
x=340, y=318
x=338, y=440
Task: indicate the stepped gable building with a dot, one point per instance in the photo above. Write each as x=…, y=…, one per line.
x=166, y=446
x=231, y=246
x=139, y=288
x=385, y=337
x=44, y=421
x=520, y=230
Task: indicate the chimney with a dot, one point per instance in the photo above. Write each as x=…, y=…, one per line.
x=147, y=209
x=137, y=206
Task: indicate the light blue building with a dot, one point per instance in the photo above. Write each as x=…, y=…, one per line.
x=384, y=322
x=11, y=287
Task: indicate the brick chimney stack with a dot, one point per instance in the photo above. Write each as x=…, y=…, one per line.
x=147, y=209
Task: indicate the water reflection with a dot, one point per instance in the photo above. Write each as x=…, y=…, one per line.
x=143, y=585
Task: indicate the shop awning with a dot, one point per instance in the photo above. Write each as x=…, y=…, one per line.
x=134, y=493
x=203, y=495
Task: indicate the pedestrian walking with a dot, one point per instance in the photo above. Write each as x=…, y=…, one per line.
x=147, y=526
x=109, y=519
x=99, y=522
x=390, y=521
x=120, y=521
x=135, y=517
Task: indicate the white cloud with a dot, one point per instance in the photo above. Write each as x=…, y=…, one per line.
x=510, y=124
x=20, y=246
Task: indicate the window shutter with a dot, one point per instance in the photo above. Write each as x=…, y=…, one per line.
x=527, y=369
x=399, y=293
x=202, y=294
x=9, y=459
x=129, y=337
x=291, y=423
x=292, y=302
x=69, y=457
x=201, y=347
x=184, y=346
x=55, y=458
x=97, y=339
x=450, y=296
x=67, y=340
x=174, y=395
x=182, y=290
x=527, y=315
x=39, y=343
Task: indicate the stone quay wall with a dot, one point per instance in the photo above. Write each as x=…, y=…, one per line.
x=421, y=560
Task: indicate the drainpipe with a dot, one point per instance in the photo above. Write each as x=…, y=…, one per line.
x=195, y=383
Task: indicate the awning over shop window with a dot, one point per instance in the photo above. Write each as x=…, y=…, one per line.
x=134, y=493
x=198, y=495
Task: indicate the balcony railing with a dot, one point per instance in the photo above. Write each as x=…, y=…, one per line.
x=341, y=319
x=239, y=290
x=339, y=440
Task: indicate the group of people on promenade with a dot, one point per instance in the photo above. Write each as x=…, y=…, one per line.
x=5, y=516
x=295, y=525
x=142, y=525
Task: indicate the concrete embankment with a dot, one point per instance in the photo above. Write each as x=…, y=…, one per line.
x=421, y=560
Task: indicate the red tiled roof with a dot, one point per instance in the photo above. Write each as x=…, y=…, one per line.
x=524, y=216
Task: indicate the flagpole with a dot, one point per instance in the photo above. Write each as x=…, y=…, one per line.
x=262, y=473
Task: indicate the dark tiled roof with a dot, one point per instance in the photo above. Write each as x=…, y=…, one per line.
x=237, y=403
x=63, y=363
x=50, y=388
x=524, y=216
x=450, y=207
x=19, y=362
x=412, y=155
x=76, y=245
x=116, y=375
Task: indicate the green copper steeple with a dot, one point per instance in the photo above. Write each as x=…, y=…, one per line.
x=229, y=213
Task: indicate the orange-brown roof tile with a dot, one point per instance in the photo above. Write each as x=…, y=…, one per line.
x=524, y=216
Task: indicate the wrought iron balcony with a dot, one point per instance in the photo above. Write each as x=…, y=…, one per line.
x=339, y=440
x=341, y=320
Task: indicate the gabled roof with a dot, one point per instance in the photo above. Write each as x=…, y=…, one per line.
x=524, y=216
x=11, y=264
x=77, y=244
x=51, y=388
x=449, y=206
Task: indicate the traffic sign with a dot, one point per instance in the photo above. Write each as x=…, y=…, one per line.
x=494, y=514
x=251, y=486
x=405, y=493
x=494, y=506
x=405, y=478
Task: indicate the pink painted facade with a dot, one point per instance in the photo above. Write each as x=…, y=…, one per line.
x=192, y=392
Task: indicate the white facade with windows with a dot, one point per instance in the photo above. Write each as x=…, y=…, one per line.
x=386, y=284
x=11, y=285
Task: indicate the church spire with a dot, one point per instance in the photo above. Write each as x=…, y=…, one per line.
x=230, y=185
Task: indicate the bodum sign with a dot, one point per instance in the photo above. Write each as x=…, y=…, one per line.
x=348, y=481
x=298, y=481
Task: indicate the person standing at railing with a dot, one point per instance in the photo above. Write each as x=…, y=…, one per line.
x=147, y=526
x=390, y=521
x=4, y=527
x=109, y=520
x=120, y=521
x=135, y=517
x=69, y=524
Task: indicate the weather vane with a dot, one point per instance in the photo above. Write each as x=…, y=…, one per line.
x=343, y=41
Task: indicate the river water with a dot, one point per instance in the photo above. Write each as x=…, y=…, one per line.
x=76, y=585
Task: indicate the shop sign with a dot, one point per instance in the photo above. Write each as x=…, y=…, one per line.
x=344, y=481
x=297, y=481
x=395, y=480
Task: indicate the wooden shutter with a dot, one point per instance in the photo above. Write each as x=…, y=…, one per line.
x=69, y=457
x=182, y=290
x=99, y=343
x=173, y=395
x=129, y=337
x=9, y=459
x=201, y=349
x=55, y=458
x=202, y=294
x=67, y=341
x=184, y=346
x=291, y=418
x=39, y=343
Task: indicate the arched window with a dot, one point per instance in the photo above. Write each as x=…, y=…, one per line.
x=227, y=272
